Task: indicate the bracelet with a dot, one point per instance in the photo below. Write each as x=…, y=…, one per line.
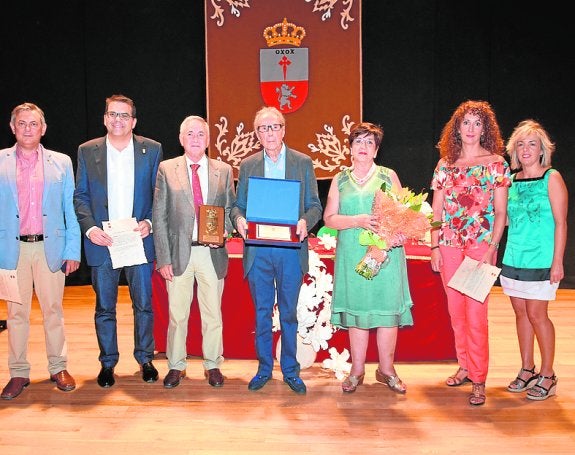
x=495, y=244
x=434, y=247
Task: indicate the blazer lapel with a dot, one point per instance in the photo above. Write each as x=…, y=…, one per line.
x=181, y=170
x=291, y=166
x=140, y=158
x=100, y=157
x=48, y=166
x=213, y=181
x=259, y=165
x=10, y=171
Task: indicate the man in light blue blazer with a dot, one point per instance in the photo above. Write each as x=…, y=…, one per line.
x=276, y=270
x=40, y=239
x=115, y=180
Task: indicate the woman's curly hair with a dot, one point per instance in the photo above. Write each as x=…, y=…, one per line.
x=450, y=145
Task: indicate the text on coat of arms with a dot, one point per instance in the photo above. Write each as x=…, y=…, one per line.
x=284, y=71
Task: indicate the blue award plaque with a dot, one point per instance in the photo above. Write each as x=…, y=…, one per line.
x=272, y=212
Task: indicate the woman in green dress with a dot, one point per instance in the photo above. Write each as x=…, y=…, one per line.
x=359, y=304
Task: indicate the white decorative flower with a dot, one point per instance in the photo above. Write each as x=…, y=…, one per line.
x=319, y=335
x=315, y=264
x=276, y=319
x=314, y=306
x=338, y=363
x=328, y=241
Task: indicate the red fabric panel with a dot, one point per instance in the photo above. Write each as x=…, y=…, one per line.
x=430, y=338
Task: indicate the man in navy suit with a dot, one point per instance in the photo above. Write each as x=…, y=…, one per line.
x=40, y=239
x=277, y=270
x=115, y=180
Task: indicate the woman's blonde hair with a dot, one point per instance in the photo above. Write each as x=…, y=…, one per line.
x=521, y=131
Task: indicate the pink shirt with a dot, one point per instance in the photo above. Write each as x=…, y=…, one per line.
x=30, y=185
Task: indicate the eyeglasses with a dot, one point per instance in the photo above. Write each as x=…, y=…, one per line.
x=22, y=125
x=266, y=128
x=366, y=142
x=113, y=115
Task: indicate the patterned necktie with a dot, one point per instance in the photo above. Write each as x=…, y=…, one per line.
x=196, y=188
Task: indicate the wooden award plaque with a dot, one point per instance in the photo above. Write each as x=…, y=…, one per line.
x=211, y=225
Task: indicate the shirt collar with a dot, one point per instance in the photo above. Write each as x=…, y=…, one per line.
x=130, y=145
x=281, y=155
x=35, y=156
x=203, y=161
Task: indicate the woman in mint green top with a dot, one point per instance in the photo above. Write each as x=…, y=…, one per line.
x=359, y=304
x=533, y=260
x=528, y=257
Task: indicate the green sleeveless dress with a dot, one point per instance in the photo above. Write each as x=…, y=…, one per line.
x=531, y=233
x=384, y=301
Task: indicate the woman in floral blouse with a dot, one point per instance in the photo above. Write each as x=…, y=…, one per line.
x=470, y=185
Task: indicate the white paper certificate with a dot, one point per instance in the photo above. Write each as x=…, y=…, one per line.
x=474, y=279
x=127, y=248
x=9, y=286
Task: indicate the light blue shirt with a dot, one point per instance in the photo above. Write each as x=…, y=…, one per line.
x=277, y=169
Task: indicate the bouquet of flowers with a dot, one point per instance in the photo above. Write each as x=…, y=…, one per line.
x=401, y=216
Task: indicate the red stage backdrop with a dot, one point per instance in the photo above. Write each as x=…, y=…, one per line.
x=302, y=56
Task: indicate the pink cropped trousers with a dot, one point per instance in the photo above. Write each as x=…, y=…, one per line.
x=468, y=316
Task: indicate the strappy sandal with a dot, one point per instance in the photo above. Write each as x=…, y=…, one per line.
x=391, y=381
x=477, y=397
x=456, y=380
x=519, y=384
x=540, y=393
x=351, y=382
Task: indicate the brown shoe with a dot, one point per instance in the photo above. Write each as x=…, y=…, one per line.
x=63, y=381
x=215, y=377
x=14, y=388
x=173, y=378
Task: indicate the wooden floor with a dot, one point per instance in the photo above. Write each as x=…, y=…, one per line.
x=135, y=417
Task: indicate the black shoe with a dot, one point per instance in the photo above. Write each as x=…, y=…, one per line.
x=149, y=372
x=106, y=377
x=258, y=381
x=296, y=384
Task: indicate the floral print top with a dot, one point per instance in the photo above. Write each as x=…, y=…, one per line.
x=468, y=212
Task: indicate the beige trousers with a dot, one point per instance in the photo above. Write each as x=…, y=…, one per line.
x=35, y=276
x=180, y=294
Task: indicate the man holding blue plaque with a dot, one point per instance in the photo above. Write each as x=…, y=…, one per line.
x=273, y=268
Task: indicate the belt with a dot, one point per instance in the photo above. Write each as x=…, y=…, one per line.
x=32, y=238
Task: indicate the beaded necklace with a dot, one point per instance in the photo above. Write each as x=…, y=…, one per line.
x=362, y=180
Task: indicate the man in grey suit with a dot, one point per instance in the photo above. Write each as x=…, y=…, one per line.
x=40, y=239
x=276, y=270
x=181, y=259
